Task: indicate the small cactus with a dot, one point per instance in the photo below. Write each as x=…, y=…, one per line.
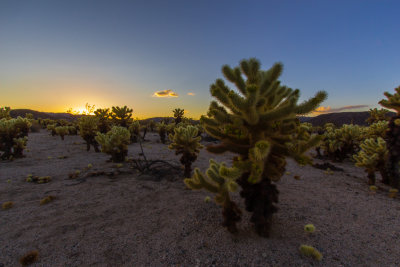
x=47, y=200
x=7, y=205
x=309, y=228
x=310, y=252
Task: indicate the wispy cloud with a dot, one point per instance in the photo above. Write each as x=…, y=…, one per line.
x=165, y=93
x=322, y=109
x=192, y=94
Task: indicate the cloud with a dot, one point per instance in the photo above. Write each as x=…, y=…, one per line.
x=165, y=93
x=192, y=94
x=323, y=110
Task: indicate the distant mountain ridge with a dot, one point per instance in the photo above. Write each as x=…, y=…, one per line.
x=338, y=119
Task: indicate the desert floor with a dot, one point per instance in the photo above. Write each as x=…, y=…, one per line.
x=121, y=218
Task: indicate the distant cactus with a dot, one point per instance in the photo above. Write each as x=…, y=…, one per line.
x=62, y=131
x=220, y=180
x=121, y=116
x=162, y=131
x=152, y=125
x=260, y=125
x=104, y=119
x=52, y=129
x=377, y=129
x=115, y=143
x=372, y=157
x=393, y=138
x=186, y=142
x=88, y=131
x=134, y=130
x=178, y=115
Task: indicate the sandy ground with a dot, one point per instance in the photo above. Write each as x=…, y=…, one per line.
x=127, y=220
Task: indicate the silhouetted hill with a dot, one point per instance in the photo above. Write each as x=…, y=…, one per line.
x=339, y=118
x=44, y=115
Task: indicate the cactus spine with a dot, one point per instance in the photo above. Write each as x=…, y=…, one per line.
x=259, y=124
x=393, y=137
x=186, y=142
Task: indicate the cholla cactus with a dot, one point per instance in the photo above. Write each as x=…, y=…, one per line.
x=178, y=115
x=372, y=157
x=377, y=129
x=151, y=125
x=376, y=115
x=220, y=180
x=52, y=129
x=134, y=130
x=162, y=131
x=72, y=130
x=393, y=137
x=19, y=146
x=88, y=131
x=115, y=142
x=121, y=116
x=339, y=143
x=13, y=137
x=62, y=131
x=5, y=113
x=186, y=142
x=104, y=119
x=259, y=124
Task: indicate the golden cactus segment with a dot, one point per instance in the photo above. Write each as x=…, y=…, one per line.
x=218, y=179
x=310, y=252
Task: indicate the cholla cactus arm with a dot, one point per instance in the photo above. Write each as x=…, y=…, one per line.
x=262, y=111
x=178, y=114
x=220, y=180
x=393, y=138
x=115, y=143
x=377, y=129
x=392, y=101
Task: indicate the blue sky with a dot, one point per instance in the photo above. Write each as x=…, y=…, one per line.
x=60, y=54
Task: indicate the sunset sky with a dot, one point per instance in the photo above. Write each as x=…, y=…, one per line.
x=154, y=56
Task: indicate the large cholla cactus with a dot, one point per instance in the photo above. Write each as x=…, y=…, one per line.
x=13, y=136
x=178, y=115
x=372, y=157
x=376, y=115
x=260, y=125
x=121, y=116
x=186, y=142
x=104, y=119
x=88, y=131
x=220, y=180
x=115, y=142
x=393, y=137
